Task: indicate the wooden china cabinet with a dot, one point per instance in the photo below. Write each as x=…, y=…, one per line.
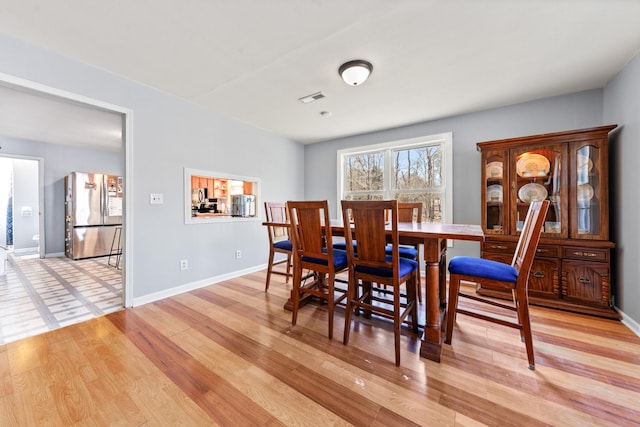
x=572, y=268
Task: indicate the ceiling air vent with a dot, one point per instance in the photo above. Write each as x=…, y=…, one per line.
x=310, y=98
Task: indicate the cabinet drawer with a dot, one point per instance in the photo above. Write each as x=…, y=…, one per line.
x=547, y=251
x=502, y=247
x=591, y=254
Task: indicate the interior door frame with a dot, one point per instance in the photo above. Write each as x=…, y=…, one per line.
x=127, y=141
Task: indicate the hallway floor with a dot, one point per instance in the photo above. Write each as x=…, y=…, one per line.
x=40, y=295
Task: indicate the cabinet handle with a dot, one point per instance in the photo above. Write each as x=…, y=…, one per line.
x=584, y=280
x=538, y=274
x=498, y=247
x=542, y=251
x=589, y=254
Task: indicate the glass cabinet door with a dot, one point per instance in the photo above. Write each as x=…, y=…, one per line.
x=494, y=175
x=540, y=175
x=588, y=200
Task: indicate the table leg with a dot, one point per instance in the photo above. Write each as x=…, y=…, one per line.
x=433, y=336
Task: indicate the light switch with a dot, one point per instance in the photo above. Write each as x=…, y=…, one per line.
x=156, y=199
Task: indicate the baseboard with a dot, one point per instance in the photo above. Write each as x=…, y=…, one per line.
x=23, y=251
x=187, y=287
x=629, y=322
x=54, y=255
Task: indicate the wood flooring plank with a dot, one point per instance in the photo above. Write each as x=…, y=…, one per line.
x=214, y=395
x=289, y=371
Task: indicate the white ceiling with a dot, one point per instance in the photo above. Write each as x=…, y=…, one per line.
x=34, y=116
x=252, y=59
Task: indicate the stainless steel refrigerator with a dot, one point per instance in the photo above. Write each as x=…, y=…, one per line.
x=93, y=212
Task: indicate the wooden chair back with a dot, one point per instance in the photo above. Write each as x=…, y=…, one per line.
x=310, y=229
x=276, y=212
x=409, y=211
x=369, y=219
x=528, y=241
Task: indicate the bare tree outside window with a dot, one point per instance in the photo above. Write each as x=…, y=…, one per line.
x=409, y=174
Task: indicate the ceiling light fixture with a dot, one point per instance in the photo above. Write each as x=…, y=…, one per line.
x=356, y=72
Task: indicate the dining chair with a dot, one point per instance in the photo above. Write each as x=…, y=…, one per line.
x=371, y=264
x=312, y=250
x=279, y=242
x=494, y=274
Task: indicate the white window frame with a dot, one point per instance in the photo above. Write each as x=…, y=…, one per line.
x=445, y=139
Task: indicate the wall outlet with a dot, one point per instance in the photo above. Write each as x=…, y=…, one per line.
x=238, y=254
x=184, y=264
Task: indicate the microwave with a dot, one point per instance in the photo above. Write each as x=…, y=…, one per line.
x=243, y=205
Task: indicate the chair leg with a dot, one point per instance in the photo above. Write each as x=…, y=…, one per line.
x=330, y=302
x=286, y=278
x=414, y=310
x=514, y=297
x=367, y=294
x=351, y=295
x=454, y=289
x=269, y=269
x=523, y=316
x=295, y=294
x=396, y=323
x=418, y=284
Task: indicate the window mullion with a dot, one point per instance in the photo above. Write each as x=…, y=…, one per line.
x=388, y=174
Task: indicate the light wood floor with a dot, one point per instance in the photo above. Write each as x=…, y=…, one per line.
x=227, y=355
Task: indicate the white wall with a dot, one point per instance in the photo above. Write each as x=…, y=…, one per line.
x=622, y=106
x=168, y=135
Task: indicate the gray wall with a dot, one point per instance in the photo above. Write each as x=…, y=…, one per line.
x=168, y=135
x=573, y=111
x=622, y=106
x=59, y=160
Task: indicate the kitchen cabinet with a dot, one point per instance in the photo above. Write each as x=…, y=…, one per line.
x=572, y=267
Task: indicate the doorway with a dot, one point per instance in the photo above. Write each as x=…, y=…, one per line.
x=21, y=228
x=50, y=188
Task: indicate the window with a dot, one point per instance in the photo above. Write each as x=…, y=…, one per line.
x=415, y=170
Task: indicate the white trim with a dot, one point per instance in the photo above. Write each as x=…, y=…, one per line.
x=629, y=322
x=187, y=287
x=127, y=268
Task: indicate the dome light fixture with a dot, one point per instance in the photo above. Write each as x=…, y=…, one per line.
x=355, y=72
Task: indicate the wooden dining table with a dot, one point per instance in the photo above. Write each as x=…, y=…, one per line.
x=433, y=239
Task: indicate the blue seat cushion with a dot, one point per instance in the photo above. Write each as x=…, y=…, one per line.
x=485, y=268
x=403, y=251
x=339, y=259
x=406, y=266
x=343, y=246
x=284, y=245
